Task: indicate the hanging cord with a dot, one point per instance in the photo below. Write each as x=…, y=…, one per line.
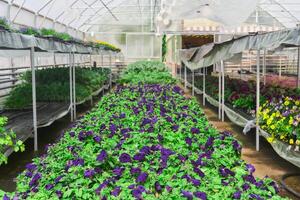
x=282, y=181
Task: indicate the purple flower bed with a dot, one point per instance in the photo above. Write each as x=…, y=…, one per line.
x=143, y=142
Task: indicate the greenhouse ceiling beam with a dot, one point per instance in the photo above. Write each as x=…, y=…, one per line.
x=109, y=10
x=90, y=6
x=63, y=12
x=44, y=6
x=286, y=10
x=90, y=18
x=120, y=6
x=18, y=12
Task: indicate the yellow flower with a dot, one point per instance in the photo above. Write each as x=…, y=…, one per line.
x=270, y=139
x=282, y=137
x=286, y=103
x=291, y=121
x=273, y=127
x=291, y=141
x=297, y=103
x=297, y=142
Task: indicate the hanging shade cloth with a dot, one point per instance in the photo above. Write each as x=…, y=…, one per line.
x=228, y=49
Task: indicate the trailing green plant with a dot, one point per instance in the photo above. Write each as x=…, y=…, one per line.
x=52, y=85
x=8, y=140
x=150, y=72
x=106, y=46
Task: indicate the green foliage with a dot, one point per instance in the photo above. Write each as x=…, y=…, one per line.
x=51, y=32
x=52, y=85
x=152, y=122
x=4, y=24
x=30, y=31
x=164, y=48
x=150, y=72
x=8, y=140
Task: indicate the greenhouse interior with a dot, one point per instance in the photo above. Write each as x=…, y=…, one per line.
x=149, y=99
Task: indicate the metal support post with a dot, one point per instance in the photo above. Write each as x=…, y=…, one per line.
x=34, y=99
x=110, y=67
x=298, y=68
x=204, y=86
x=220, y=88
x=193, y=82
x=223, y=90
x=74, y=86
x=257, y=98
x=264, y=66
x=185, y=81
x=71, y=86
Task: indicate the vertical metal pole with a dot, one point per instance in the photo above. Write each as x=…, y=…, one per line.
x=74, y=86
x=71, y=86
x=257, y=98
x=223, y=90
x=204, y=86
x=280, y=66
x=91, y=62
x=110, y=67
x=264, y=66
x=298, y=68
x=185, y=81
x=193, y=82
x=34, y=99
x=220, y=85
x=54, y=59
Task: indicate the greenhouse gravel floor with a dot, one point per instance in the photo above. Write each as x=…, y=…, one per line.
x=266, y=161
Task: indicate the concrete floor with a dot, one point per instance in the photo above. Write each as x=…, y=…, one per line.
x=266, y=161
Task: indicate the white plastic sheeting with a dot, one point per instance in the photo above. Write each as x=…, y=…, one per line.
x=229, y=13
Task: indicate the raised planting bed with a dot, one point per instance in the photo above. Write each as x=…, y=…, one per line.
x=143, y=142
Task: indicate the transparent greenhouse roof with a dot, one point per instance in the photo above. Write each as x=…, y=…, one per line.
x=136, y=15
x=95, y=15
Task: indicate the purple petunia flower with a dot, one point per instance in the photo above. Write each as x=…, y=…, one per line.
x=157, y=186
x=246, y=186
x=237, y=195
x=122, y=115
x=146, y=150
x=134, y=171
x=236, y=145
x=49, y=186
x=250, y=168
x=125, y=158
x=195, y=130
x=35, y=179
x=89, y=173
x=187, y=194
x=200, y=195
x=5, y=197
x=139, y=157
x=102, y=156
x=97, y=139
x=136, y=193
x=28, y=174
x=188, y=141
x=58, y=193
x=175, y=128
x=199, y=172
x=255, y=196
x=116, y=191
x=209, y=142
x=196, y=182
x=131, y=186
x=72, y=133
x=31, y=166
x=168, y=188
x=142, y=177
x=118, y=171
x=249, y=178
x=58, y=179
